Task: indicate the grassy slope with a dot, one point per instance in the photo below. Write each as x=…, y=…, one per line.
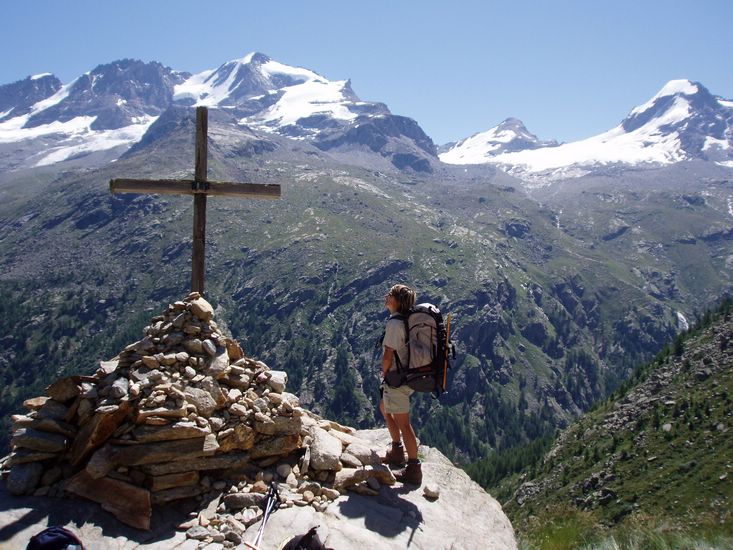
x=650, y=467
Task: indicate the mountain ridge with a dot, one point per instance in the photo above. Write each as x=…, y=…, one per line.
x=683, y=121
x=104, y=112
x=113, y=105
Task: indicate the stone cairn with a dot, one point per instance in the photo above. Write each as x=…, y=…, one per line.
x=182, y=414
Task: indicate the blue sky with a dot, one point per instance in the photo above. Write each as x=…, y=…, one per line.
x=568, y=69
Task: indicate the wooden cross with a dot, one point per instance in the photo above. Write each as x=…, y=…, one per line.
x=200, y=188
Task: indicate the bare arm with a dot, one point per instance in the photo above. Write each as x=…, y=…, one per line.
x=387, y=360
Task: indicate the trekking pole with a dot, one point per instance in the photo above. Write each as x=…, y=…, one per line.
x=272, y=504
x=447, y=350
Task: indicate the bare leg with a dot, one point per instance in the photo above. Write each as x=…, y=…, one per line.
x=394, y=430
x=402, y=421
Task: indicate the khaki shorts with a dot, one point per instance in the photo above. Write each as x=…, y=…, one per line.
x=396, y=400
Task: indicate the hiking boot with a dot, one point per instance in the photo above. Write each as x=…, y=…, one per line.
x=395, y=456
x=412, y=474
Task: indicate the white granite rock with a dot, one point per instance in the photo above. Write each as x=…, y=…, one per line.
x=325, y=451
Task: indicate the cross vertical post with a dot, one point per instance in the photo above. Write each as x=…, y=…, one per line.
x=198, y=251
x=200, y=187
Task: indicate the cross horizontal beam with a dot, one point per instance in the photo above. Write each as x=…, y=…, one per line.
x=192, y=187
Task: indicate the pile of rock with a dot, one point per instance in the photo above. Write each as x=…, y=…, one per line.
x=183, y=413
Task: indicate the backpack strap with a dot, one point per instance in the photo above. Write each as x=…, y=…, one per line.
x=403, y=317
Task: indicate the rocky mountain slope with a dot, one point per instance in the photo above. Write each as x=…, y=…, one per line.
x=657, y=455
x=683, y=121
x=557, y=293
x=182, y=416
x=555, y=300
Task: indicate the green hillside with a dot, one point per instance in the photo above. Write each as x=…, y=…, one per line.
x=650, y=467
x=552, y=307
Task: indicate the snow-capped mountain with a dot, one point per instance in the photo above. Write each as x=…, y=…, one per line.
x=18, y=98
x=270, y=97
x=683, y=121
x=111, y=107
x=108, y=108
x=273, y=96
x=508, y=137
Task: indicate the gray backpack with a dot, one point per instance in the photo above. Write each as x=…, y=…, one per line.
x=429, y=346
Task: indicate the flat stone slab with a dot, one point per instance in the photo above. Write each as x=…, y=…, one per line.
x=465, y=517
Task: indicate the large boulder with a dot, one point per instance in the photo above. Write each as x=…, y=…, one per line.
x=325, y=450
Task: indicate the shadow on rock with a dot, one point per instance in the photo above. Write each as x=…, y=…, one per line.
x=23, y=517
x=387, y=514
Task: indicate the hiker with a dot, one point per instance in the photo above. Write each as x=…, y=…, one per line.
x=395, y=402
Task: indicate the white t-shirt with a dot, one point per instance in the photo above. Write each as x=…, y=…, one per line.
x=395, y=338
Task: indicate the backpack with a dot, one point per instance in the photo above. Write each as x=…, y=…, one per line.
x=429, y=346
x=54, y=538
x=309, y=541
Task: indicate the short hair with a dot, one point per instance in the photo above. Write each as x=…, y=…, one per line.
x=405, y=297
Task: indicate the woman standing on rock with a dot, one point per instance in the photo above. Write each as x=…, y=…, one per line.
x=395, y=403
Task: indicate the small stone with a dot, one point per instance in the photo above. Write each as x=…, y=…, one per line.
x=259, y=487
x=134, y=390
x=168, y=359
x=350, y=461
x=202, y=400
x=119, y=388
x=150, y=361
x=191, y=329
x=239, y=409
x=243, y=500
x=63, y=390
x=325, y=451
x=39, y=441
x=234, y=537
x=233, y=349
x=275, y=398
x=219, y=366
x=35, y=403
x=667, y=427
x=209, y=347
x=329, y=493
x=278, y=380
x=197, y=532
x=189, y=372
x=250, y=517
x=234, y=394
x=284, y=470
x=308, y=496
x=24, y=478
x=194, y=345
x=211, y=445
x=202, y=309
x=201, y=422
x=431, y=492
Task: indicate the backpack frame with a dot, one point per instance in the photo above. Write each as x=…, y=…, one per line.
x=428, y=346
